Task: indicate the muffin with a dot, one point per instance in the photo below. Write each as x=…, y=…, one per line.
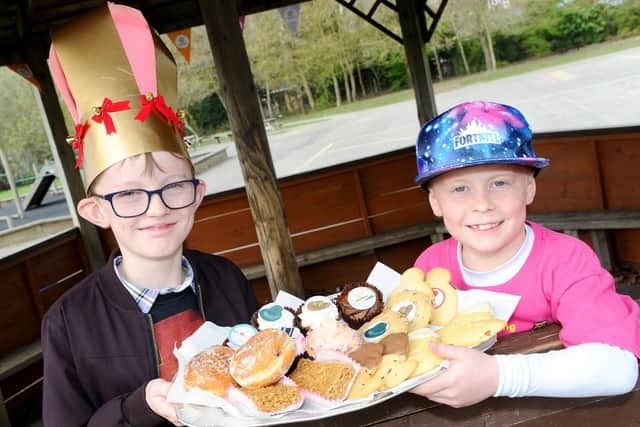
x=314, y=311
x=359, y=302
x=273, y=316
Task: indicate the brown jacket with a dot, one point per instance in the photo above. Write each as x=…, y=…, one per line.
x=98, y=346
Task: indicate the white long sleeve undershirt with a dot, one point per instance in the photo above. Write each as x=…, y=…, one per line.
x=591, y=369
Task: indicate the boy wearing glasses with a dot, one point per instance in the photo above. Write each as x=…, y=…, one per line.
x=108, y=342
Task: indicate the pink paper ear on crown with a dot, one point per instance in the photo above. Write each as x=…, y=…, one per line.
x=137, y=41
x=61, y=82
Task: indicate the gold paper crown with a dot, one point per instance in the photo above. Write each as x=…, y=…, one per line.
x=118, y=80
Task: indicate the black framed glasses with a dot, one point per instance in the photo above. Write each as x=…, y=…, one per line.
x=135, y=202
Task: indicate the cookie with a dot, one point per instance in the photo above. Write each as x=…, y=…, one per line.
x=386, y=323
x=420, y=351
x=445, y=298
x=366, y=382
x=468, y=334
x=413, y=279
x=415, y=306
x=394, y=369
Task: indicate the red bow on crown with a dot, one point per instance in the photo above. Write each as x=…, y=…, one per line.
x=156, y=104
x=76, y=141
x=102, y=113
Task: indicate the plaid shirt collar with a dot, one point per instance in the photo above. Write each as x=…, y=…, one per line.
x=145, y=297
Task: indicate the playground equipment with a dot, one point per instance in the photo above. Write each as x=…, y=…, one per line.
x=39, y=189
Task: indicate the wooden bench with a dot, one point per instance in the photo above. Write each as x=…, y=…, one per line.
x=354, y=247
x=12, y=364
x=598, y=222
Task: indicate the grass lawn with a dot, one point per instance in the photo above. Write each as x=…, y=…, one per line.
x=23, y=190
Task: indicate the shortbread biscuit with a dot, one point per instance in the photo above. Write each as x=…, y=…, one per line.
x=445, y=300
x=415, y=306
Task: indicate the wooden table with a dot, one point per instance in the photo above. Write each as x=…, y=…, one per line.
x=412, y=410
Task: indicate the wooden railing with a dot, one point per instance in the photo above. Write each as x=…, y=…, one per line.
x=32, y=279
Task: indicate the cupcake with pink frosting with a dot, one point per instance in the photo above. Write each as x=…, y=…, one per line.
x=334, y=336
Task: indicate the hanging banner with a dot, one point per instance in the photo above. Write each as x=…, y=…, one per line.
x=182, y=40
x=290, y=14
x=25, y=71
x=242, y=23
x=495, y=3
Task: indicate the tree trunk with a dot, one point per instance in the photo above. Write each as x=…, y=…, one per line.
x=352, y=79
x=287, y=102
x=487, y=46
x=307, y=91
x=336, y=89
x=347, y=90
x=485, y=52
x=376, y=86
x=300, y=101
x=437, y=58
x=269, y=108
x=362, y=88
x=461, y=49
x=492, y=55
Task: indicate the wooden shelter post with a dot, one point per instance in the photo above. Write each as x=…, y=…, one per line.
x=37, y=52
x=241, y=101
x=411, y=15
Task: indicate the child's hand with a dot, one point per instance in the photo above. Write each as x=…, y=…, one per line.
x=156, y=396
x=471, y=377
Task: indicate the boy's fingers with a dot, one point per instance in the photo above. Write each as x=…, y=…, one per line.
x=446, y=351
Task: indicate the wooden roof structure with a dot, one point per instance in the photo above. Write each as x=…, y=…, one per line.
x=22, y=19
x=24, y=39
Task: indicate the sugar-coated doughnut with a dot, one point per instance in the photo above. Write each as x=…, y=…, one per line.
x=209, y=370
x=263, y=359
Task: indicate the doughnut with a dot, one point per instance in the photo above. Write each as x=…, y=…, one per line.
x=263, y=359
x=209, y=370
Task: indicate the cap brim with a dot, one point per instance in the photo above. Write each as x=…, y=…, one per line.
x=533, y=162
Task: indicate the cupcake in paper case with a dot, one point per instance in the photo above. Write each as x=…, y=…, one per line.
x=359, y=302
x=239, y=334
x=314, y=311
x=273, y=316
x=282, y=397
x=332, y=335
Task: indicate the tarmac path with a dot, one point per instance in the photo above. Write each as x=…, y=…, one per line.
x=599, y=92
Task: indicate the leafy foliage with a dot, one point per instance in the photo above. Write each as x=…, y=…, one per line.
x=208, y=114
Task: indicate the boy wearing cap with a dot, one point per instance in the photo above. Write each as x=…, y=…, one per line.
x=108, y=342
x=478, y=166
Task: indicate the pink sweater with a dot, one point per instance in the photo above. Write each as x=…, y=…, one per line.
x=562, y=281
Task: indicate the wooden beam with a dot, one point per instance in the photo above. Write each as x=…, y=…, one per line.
x=412, y=36
x=37, y=53
x=241, y=101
